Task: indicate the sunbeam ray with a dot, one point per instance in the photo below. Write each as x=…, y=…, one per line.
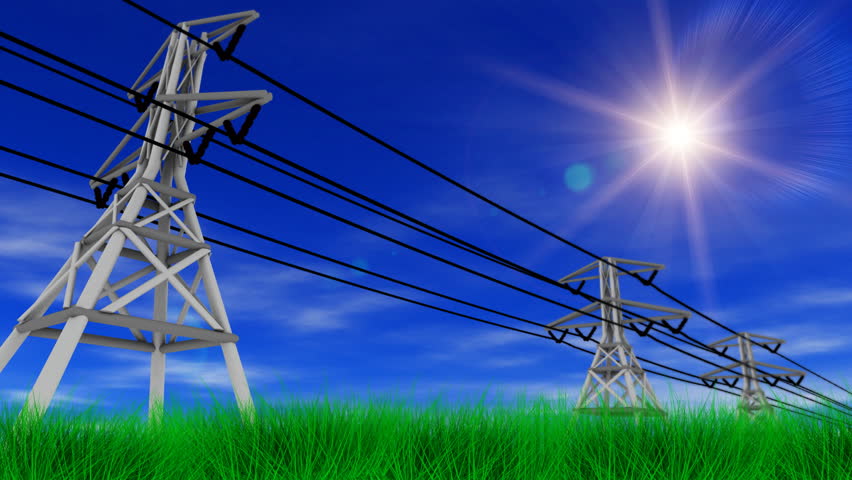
x=569, y=95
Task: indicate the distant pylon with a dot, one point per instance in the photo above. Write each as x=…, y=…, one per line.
x=614, y=364
x=753, y=400
x=178, y=85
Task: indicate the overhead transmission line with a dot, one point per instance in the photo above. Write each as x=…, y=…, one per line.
x=810, y=414
x=422, y=165
x=591, y=298
x=303, y=250
x=319, y=210
x=491, y=256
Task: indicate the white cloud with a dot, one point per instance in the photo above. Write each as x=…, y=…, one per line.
x=339, y=313
x=824, y=296
x=29, y=289
x=19, y=395
x=508, y=362
x=290, y=299
x=13, y=245
x=136, y=372
x=43, y=227
x=814, y=344
x=490, y=339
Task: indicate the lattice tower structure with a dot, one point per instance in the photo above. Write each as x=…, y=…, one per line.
x=615, y=382
x=753, y=399
x=157, y=191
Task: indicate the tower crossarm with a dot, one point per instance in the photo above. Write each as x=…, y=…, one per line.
x=241, y=102
x=217, y=35
x=649, y=267
x=766, y=342
x=788, y=372
x=710, y=375
x=673, y=314
x=185, y=97
x=753, y=397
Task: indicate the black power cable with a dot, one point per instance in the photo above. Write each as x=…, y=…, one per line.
x=278, y=193
x=491, y=257
x=63, y=74
x=518, y=268
x=420, y=164
x=289, y=198
x=279, y=242
x=273, y=240
x=234, y=247
x=205, y=124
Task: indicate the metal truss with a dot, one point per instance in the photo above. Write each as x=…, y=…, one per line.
x=158, y=185
x=753, y=400
x=615, y=366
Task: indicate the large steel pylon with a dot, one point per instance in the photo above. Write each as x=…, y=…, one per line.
x=614, y=364
x=753, y=400
x=177, y=84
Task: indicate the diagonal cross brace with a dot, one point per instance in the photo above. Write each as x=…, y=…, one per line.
x=175, y=281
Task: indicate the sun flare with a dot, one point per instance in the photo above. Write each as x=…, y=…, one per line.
x=680, y=137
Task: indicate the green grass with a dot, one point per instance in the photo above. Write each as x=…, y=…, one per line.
x=382, y=439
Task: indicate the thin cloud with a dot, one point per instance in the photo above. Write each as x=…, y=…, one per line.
x=509, y=362
x=19, y=395
x=812, y=345
x=211, y=373
x=824, y=296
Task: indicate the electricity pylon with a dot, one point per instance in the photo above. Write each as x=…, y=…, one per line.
x=753, y=400
x=177, y=84
x=614, y=359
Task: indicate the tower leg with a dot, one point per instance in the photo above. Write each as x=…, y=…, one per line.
x=238, y=380
x=156, y=395
x=47, y=381
x=10, y=346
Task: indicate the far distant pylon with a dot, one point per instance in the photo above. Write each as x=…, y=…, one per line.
x=614, y=364
x=753, y=400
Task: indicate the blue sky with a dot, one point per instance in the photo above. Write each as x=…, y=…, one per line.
x=526, y=103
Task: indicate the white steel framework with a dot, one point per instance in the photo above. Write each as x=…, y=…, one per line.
x=124, y=239
x=753, y=400
x=615, y=366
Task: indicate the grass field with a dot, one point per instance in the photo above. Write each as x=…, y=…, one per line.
x=383, y=439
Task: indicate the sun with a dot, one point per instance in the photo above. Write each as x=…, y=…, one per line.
x=680, y=137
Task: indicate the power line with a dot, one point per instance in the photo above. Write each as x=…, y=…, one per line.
x=420, y=164
x=259, y=235
x=265, y=257
x=201, y=122
x=492, y=256
x=498, y=259
x=292, y=199
x=63, y=74
x=319, y=210
x=303, y=250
